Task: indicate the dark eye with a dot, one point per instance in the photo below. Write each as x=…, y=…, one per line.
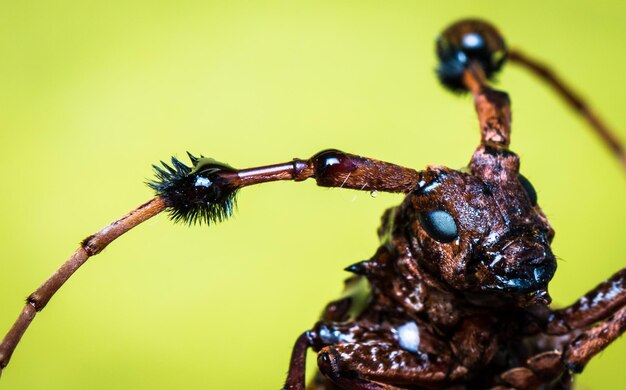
x=439, y=225
x=530, y=190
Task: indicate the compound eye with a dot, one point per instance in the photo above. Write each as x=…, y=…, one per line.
x=439, y=224
x=530, y=190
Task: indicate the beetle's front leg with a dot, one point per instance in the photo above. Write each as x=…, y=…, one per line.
x=604, y=306
x=598, y=304
x=569, y=356
x=574, y=335
x=373, y=357
x=372, y=365
x=594, y=340
x=322, y=335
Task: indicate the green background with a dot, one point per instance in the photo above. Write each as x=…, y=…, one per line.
x=92, y=93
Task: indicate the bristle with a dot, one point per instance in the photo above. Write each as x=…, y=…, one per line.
x=197, y=194
x=364, y=267
x=194, y=159
x=209, y=213
x=181, y=169
x=161, y=174
x=170, y=169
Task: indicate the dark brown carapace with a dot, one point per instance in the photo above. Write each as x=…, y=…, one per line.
x=456, y=297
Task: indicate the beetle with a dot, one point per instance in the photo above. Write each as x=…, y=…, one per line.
x=331, y=156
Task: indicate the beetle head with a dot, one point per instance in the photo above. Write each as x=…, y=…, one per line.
x=481, y=232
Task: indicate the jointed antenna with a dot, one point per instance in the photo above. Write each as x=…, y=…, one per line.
x=205, y=193
x=471, y=52
x=91, y=246
x=572, y=99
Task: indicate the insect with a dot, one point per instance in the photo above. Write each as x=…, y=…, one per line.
x=449, y=256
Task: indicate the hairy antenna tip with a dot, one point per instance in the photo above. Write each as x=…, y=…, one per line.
x=201, y=193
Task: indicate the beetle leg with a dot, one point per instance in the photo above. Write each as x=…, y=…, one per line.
x=598, y=304
x=363, y=356
x=374, y=365
x=521, y=378
x=543, y=368
x=604, y=306
x=296, y=377
x=592, y=341
x=547, y=365
x=323, y=334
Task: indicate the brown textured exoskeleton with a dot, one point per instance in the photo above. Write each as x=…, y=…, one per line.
x=456, y=296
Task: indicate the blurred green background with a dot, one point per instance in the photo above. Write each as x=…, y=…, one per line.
x=92, y=93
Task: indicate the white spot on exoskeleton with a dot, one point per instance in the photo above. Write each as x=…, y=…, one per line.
x=496, y=260
x=332, y=161
x=472, y=41
x=346, y=356
x=492, y=237
x=202, y=182
x=431, y=187
x=343, y=337
x=616, y=289
x=395, y=360
x=409, y=336
x=613, y=291
x=374, y=354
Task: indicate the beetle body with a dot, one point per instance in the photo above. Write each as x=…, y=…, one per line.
x=469, y=307
x=459, y=288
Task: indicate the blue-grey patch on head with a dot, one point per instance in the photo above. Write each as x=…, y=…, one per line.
x=439, y=224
